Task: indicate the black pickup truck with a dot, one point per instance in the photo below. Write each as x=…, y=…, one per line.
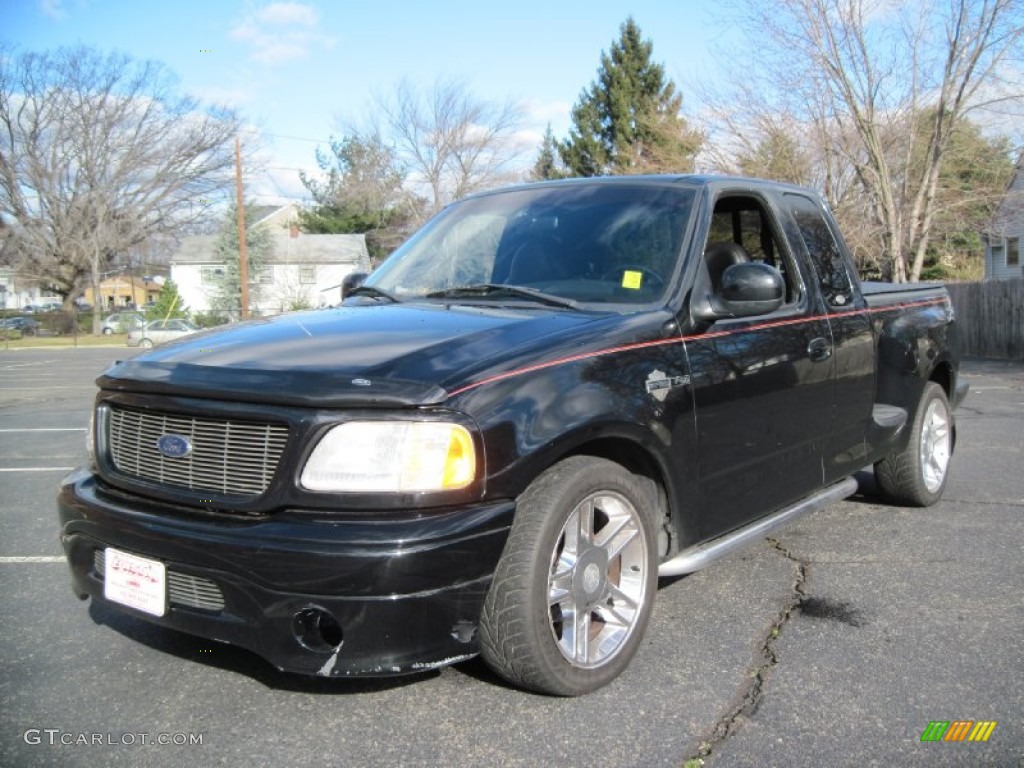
x=548, y=397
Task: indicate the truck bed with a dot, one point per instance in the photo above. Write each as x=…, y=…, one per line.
x=878, y=293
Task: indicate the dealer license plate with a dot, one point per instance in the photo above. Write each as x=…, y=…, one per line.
x=137, y=582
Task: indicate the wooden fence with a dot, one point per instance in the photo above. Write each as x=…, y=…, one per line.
x=991, y=318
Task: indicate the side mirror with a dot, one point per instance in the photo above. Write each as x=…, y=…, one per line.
x=748, y=289
x=350, y=282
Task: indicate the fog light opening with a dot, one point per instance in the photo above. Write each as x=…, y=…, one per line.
x=317, y=630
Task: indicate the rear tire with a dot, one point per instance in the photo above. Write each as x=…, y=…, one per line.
x=916, y=476
x=146, y=343
x=573, y=591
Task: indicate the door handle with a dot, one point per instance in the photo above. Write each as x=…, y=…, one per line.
x=819, y=349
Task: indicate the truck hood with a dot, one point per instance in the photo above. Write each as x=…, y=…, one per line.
x=379, y=355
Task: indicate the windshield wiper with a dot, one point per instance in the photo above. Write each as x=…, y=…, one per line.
x=372, y=291
x=490, y=289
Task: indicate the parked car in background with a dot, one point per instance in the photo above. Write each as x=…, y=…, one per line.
x=160, y=331
x=122, y=322
x=26, y=325
x=43, y=306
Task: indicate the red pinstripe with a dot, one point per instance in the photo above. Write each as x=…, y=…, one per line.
x=682, y=339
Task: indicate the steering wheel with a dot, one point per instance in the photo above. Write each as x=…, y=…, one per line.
x=656, y=279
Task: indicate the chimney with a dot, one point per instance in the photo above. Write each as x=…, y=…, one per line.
x=293, y=231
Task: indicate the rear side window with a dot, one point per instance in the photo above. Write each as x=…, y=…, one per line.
x=827, y=259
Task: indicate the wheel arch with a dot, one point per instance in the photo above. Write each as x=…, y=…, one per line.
x=639, y=460
x=945, y=375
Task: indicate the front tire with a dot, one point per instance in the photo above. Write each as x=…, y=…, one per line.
x=146, y=343
x=573, y=591
x=916, y=476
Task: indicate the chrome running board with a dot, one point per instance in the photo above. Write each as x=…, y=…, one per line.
x=698, y=556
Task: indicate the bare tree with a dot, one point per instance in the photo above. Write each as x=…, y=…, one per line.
x=778, y=153
x=860, y=73
x=449, y=141
x=97, y=153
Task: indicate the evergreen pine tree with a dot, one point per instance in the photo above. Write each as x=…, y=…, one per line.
x=548, y=165
x=227, y=292
x=628, y=120
x=168, y=304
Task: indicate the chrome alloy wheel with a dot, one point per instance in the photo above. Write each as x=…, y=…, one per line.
x=935, y=445
x=597, y=580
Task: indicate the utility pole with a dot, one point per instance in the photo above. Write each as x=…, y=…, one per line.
x=243, y=259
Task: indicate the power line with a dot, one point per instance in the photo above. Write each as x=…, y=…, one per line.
x=289, y=198
x=277, y=186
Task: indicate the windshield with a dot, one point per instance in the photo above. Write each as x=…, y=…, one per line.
x=595, y=243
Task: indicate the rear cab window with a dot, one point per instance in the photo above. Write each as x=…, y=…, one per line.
x=831, y=268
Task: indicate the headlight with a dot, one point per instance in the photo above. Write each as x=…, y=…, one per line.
x=392, y=456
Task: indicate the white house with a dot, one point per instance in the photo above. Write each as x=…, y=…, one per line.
x=1005, y=230
x=303, y=271
x=18, y=291
x=14, y=292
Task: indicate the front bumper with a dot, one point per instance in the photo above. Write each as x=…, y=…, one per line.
x=405, y=591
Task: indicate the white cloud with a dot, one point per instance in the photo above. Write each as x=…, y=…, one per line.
x=288, y=13
x=223, y=95
x=527, y=139
x=279, y=186
x=281, y=32
x=541, y=114
x=537, y=116
x=997, y=105
x=53, y=9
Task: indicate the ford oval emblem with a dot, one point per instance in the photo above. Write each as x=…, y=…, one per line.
x=174, y=446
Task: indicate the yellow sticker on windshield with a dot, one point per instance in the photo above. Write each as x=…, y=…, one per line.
x=632, y=279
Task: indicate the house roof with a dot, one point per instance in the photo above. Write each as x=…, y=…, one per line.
x=304, y=249
x=280, y=216
x=263, y=212
x=125, y=280
x=1009, y=216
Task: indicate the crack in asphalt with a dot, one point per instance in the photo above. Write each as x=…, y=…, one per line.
x=975, y=411
x=975, y=503
x=753, y=693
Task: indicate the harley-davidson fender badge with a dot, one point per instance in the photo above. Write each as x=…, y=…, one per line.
x=659, y=383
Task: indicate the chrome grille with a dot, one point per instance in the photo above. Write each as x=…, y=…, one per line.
x=227, y=457
x=182, y=588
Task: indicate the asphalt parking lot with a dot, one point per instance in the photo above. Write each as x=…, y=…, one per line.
x=836, y=642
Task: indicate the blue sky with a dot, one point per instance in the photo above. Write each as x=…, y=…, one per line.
x=295, y=69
